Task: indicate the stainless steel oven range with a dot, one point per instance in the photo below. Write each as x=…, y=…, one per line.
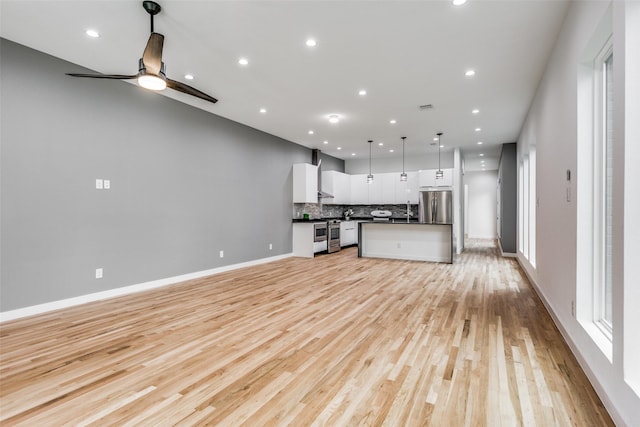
x=334, y=236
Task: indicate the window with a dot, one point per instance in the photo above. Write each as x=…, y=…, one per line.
x=520, y=207
x=532, y=206
x=525, y=206
x=595, y=208
x=603, y=188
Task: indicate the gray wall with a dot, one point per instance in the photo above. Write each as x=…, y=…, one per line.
x=185, y=184
x=508, y=182
x=330, y=163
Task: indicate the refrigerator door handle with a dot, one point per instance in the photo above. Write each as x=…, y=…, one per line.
x=434, y=205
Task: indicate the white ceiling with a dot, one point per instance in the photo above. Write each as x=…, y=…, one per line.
x=403, y=53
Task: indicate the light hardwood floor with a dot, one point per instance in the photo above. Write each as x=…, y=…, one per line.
x=335, y=341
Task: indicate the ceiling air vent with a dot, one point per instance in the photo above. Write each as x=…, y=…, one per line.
x=425, y=106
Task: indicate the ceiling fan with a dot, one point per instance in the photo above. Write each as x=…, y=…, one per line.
x=151, y=72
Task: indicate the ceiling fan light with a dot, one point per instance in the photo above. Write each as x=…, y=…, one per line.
x=151, y=82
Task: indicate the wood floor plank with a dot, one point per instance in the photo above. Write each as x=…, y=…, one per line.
x=336, y=340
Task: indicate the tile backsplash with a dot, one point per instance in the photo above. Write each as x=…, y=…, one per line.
x=318, y=211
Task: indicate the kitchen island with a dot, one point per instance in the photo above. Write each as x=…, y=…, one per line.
x=402, y=240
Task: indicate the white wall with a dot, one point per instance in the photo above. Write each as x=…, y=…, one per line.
x=552, y=126
x=482, y=208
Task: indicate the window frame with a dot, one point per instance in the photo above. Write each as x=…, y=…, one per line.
x=601, y=263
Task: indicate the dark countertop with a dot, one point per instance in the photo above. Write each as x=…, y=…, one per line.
x=402, y=222
x=355, y=218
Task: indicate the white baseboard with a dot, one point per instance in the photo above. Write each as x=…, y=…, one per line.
x=608, y=404
x=125, y=290
x=506, y=254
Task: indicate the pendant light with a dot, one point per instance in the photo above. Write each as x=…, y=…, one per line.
x=403, y=175
x=439, y=173
x=370, y=176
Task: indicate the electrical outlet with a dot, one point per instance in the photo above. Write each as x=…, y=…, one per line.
x=99, y=273
x=270, y=246
x=106, y=184
x=221, y=254
x=99, y=184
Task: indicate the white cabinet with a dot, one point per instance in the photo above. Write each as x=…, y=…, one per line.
x=386, y=189
x=388, y=181
x=348, y=233
x=303, y=243
x=305, y=183
x=375, y=190
x=407, y=190
x=428, y=178
x=338, y=185
x=359, y=189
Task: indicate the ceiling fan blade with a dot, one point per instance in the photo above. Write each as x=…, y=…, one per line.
x=181, y=87
x=104, y=76
x=152, y=56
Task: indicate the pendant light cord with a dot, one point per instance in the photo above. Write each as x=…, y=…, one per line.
x=370, y=142
x=439, y=135
x=403, y=138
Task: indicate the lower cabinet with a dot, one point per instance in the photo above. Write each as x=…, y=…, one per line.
x=348, y=233
x=303, y=240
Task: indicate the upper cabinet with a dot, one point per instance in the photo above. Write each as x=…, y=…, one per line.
x=305, y=183
x=385, y=189
x=407, y=191
x=428, y=178
x=338, y=185
x=359, y=189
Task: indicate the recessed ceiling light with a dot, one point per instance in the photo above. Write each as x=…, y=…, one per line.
x=481, y=154
x=478, y=129
x=310, y=132
x=353, y=154
x=470, y=73
x=479, y=142
x=243, y=61
x=392, y=121
x=459, y=2
x=325, y=142
x=263, y=110
x=92, y=33
x=380, y=144
x=339, y=148
x=391, y=151
x=188, y=76
x=476, y=111
x=442, y=146
x=435, y=139
x=311, y=42
x=334, y=118
x=362, y=92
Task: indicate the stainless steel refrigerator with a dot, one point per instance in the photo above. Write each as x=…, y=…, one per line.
x=434, y=207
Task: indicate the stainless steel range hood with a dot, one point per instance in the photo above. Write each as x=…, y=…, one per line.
x=317, y=161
